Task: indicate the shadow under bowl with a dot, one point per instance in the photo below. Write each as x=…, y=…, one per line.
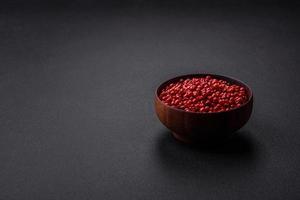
x=205, y=128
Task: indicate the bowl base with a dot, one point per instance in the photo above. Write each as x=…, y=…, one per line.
x=181, y=139
x=205, y=142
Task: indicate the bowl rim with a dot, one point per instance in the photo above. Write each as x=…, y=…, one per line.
x=200, y=75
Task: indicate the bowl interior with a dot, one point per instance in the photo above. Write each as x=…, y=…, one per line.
x=221, y=77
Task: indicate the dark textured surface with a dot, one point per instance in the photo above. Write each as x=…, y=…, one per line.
x=76, y=110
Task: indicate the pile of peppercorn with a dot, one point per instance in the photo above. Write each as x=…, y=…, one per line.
x=204, y=94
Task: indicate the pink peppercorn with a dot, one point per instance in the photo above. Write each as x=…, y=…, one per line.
x=205, y=94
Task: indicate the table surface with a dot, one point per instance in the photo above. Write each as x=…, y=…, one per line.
x=76, y=110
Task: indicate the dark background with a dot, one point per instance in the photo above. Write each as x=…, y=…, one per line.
x=77, y=80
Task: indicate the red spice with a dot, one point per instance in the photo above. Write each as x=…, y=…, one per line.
x=205, y=94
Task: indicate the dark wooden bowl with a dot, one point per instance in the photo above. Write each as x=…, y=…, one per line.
x=206, y=128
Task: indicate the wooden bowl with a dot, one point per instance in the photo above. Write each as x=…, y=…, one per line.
x=206, y=128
